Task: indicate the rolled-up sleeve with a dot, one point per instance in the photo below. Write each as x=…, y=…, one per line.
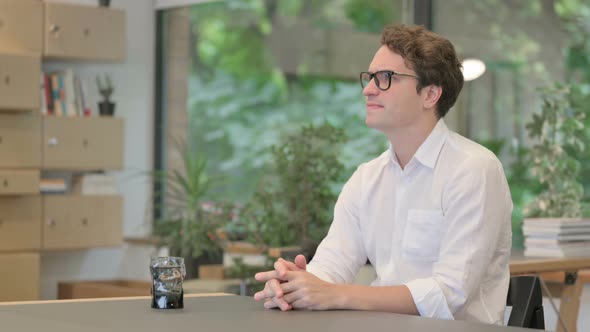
x=429, y=298
x=476, y=207
x=341, y=253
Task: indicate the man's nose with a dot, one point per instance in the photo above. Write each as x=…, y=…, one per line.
x=371, y=88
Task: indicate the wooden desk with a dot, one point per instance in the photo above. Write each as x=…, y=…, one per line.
x=211, y=314
x=572, y=287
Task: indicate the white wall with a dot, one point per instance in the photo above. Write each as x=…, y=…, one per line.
x=134, y=96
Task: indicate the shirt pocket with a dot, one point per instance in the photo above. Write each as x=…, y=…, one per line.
x=422, y=235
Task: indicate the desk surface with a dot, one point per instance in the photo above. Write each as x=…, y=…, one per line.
x=520, y=264
x=224, y=313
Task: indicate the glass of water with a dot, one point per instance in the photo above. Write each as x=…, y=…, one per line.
x=167, y=276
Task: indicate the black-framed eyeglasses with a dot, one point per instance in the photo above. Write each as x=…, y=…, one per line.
x=382, y=78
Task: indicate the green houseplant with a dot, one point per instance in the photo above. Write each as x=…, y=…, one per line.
x=294, y=203
x=559, y=136
x=190, y=224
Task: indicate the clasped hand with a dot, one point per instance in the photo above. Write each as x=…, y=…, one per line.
x=290, y=286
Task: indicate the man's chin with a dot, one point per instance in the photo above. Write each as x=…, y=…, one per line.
x=373, y=124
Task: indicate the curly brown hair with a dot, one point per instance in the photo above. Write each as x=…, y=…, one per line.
x=431, y=56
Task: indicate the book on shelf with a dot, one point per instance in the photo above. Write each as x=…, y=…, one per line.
x=558, y=238
x=555, y=226
x=69, y=93
x=80, y=97
x=546, y=232
x=56, y=93
x=48, y=94
x=44, y=97
x=52, y=186
x=557, y=222
x=83, y=97
x=578, y=250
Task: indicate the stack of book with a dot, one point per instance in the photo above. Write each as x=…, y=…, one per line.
x=63, y=93
x=556, y=237
x=52, y=186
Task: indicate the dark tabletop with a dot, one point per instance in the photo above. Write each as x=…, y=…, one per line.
x=225, y=313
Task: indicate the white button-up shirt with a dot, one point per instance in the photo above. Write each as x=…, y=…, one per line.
x=441, y=226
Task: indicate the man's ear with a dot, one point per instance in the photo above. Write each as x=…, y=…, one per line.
x=430, y=95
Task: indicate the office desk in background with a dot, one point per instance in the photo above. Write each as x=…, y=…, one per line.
x=572, y=287
x=211, y=314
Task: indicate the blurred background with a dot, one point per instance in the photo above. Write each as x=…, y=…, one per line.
x=239, y=121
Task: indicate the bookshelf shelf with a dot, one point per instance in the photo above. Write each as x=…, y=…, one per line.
x=77, y=32
x=82, y=143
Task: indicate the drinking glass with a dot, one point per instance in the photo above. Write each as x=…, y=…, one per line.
x=167, y=276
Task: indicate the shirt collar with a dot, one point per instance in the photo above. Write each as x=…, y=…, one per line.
x=428, y=152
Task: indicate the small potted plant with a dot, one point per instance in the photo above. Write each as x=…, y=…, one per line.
x=106, y=89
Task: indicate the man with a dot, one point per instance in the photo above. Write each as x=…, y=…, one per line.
x=432, y=214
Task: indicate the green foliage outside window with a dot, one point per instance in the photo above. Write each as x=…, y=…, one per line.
x=537, y=190
x=575, y=15
x=558, y=131
x=561, y=156
x=241, y=102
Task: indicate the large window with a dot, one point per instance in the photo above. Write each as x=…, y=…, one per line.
x=241, y=75
x=521, y=43
x=251, y=72
x=526, y=46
